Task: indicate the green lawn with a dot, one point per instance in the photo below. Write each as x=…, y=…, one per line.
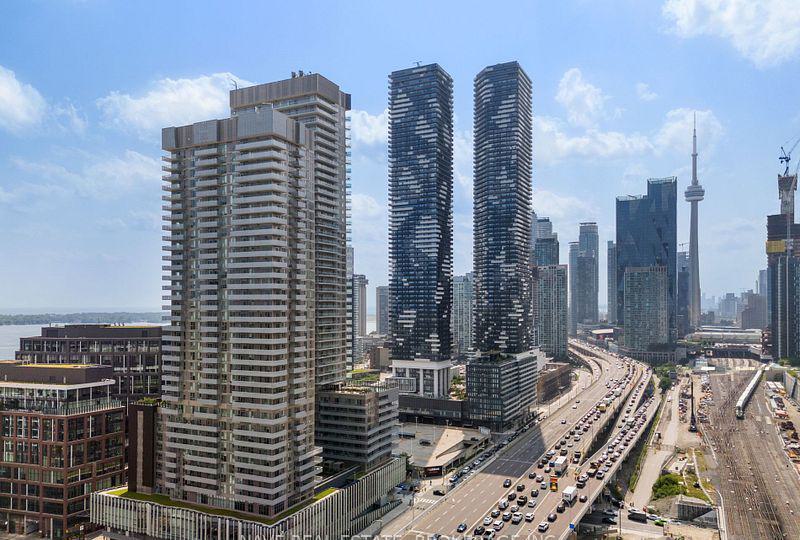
x=166, y=501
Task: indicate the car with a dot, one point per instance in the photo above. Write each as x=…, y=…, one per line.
x=532, y=503
x=551, y=517
x=511, y=496
x=531, y=475
x=659, y=522
x=609, y=521
x=534, y=493
x=529, y=517
x=507, y=483
x=543, y=485
x=560, y=507
x=563, y=420
x=498, y=525
x=539, y=478
x=495, y=513
x=488, y=535
x=539, y=465
x=502, y=505
x=599, y=475
x=522, y=499
x=506, y=516
x=438, y=492
x=480, y=529
x=547, y=470
x=514, y=508
x=516, y=518
x=487, y=520
x=574, y=406
x=583, y=498
x=461, y=527
x=652, y=517
x=435, y=536
x=520, y=487
x=543, y=526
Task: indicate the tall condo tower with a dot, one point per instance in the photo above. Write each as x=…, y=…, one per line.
x=318, y=104
x=238, y=355
x=421, y=226
x=501, y=380
x=502, y=209
x=694, y=194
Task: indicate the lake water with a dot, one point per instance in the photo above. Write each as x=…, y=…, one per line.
x=10, y=334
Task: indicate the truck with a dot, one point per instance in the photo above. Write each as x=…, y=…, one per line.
x=637, y=515
x=569, y=494
x=560, y=465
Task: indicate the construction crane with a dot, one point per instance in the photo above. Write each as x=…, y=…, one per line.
x=786, y=157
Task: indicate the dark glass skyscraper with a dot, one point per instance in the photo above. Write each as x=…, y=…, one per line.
x=647, y=237
x=611, y=276
x=587, y=274
x=502, y=209
x=421, y=224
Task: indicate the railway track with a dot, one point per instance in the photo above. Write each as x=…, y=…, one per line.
x=751, y=509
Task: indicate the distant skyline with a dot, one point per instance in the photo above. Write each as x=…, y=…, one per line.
x=85, y=88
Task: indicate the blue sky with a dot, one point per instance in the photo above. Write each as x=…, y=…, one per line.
x=85, y=87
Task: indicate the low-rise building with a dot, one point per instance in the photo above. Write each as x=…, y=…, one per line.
x=379, y=359
x=133, y=351
x=63, y=438
x=553, y=378
x=501, y=389
x=357, y=423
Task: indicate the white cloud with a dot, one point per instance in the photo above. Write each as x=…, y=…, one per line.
x=644, y=92
x=105, y=178
x=584, y=102
x=368, y=128
x=365, y=206
x=170, y=102
x=561, y=208
x=69, y=118
x=551, y=142
x=675, y=133
x=462, y=161
x=766, y=32
x=21, y=105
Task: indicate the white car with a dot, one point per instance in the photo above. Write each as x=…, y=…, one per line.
x=498, y=525
x=529, y=517
x=516, y=518
x=487, y=520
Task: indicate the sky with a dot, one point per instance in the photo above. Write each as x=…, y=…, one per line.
x=86, y=86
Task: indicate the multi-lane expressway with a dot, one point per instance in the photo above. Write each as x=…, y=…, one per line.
x=571, y=515
x=471, y=501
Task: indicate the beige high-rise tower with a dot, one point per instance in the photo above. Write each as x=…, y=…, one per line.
x=257, y=294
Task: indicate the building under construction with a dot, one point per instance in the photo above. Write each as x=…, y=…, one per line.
x=783, y=257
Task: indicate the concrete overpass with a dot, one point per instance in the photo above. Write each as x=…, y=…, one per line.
x=472, y=500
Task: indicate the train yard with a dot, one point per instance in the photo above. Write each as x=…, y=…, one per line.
x=758, y=485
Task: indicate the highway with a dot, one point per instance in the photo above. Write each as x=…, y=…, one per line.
x=548, y=500
x=471, y=501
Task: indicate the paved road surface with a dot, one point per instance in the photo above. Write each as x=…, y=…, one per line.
x=469, y=502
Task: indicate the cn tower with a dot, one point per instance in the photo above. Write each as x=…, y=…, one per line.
x=694, y=194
